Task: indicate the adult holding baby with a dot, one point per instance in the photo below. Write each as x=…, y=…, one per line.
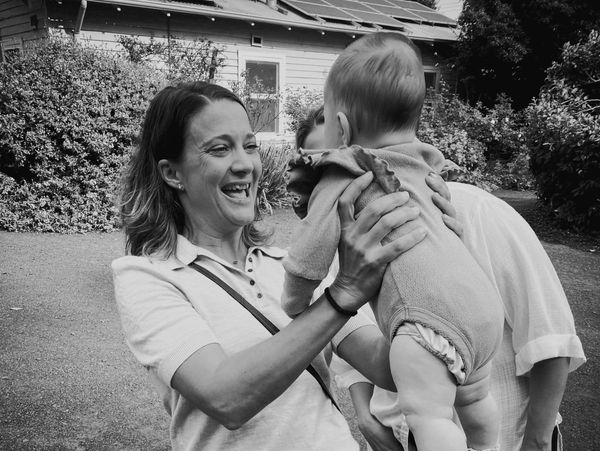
x=189, y=209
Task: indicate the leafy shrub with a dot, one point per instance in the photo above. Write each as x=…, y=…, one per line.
x=272, y=191
x=564, y=136
x=298, y=102
x=488, y=143
x=68, y=117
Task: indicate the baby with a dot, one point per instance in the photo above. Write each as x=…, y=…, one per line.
x=436, y=306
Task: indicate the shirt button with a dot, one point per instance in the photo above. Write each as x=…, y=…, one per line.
x=252, y=282
x=259, y=295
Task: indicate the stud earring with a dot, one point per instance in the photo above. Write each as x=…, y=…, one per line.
x=180, y=187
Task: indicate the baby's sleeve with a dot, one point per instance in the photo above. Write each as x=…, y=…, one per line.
x=315, y=240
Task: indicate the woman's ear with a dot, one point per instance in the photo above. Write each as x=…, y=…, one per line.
x=344, y=128
x=169, y=174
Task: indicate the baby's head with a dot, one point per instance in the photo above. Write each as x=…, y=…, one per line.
x=376, y=86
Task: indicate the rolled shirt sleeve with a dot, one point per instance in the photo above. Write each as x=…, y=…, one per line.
x=161, y=327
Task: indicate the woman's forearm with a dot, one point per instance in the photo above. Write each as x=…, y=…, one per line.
x=547, y=382
x=234, y=388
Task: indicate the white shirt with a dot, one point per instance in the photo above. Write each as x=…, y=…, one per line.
x=169, y=311
x=538, y=320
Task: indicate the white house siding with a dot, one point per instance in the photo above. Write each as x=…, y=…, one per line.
x=16, y=22
x=305, y=56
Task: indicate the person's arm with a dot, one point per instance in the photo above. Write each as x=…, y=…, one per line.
x=547, y=381
x=379, y=437
x=234, y=388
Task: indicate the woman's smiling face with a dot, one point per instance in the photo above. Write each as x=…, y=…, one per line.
x=219, y=169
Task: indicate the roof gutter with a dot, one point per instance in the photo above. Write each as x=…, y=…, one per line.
x=161, y=5
x=216, y=13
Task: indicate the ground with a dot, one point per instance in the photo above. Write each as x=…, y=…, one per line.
x=68, y=382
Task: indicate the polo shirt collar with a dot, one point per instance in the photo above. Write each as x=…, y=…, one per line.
x=187, y=252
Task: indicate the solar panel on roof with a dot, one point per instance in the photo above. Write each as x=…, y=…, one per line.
x=379, y=19
x=378, y=2
x=397, y=12
x=322, y=11
x=410, y=5
x=434, y=17
x=315, y=2
x=349, y=4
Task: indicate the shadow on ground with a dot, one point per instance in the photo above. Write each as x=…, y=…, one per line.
x=68, y=382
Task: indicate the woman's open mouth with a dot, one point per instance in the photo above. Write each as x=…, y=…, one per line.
x=237, y=190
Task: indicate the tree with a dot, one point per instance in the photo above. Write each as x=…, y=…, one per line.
x=563, y=134
x=505, y=45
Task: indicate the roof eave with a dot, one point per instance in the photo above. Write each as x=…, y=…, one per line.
x=204, y=11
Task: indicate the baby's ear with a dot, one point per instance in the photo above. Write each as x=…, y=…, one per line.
x=344, y=128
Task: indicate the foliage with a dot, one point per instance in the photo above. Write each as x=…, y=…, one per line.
x=272, y=191
x=182, y=60
x=298, y=103
x=487, y=143
x=564, y=136
x=504, y=45
x=68, y=117
x=261, y=103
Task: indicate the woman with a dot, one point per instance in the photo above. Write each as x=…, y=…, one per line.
x=190, y=198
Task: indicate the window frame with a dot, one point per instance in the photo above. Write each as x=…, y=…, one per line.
x=433, y=70
x=264, y=55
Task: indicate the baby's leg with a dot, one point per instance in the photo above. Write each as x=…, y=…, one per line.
x=478, y=412
x=426, y=393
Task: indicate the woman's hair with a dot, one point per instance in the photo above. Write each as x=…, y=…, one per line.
x=379, y=81
x=313, y=119
x=151, y=213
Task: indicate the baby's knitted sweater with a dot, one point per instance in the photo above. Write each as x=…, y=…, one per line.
x=437, y=283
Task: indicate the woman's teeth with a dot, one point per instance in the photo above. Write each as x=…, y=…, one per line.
x=237, y=190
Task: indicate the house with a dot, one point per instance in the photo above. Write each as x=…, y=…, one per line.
x=288, y=44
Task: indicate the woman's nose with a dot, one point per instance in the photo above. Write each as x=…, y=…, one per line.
x=242, y=161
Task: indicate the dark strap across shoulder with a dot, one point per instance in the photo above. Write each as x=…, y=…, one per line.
x=272, y=328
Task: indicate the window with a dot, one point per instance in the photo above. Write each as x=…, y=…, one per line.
x=10, y=49
x=263, y=72
x=263, y=108
x=431, y=80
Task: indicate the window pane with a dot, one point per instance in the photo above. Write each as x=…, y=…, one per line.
x=263, y=115
x=430, y=79
x=264, y=73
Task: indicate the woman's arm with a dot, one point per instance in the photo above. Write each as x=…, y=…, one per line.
x=234, y=388
x=379, y=437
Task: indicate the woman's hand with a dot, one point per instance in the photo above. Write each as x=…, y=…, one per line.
x=379, y=437
x=362, y=257
x=441, y=198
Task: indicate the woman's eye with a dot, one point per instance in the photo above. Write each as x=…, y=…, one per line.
x=219, y=149
x=252, y=147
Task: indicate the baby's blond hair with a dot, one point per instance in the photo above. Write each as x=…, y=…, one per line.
x=378, y=81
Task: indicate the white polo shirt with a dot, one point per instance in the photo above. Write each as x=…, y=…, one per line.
x=169, y=311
